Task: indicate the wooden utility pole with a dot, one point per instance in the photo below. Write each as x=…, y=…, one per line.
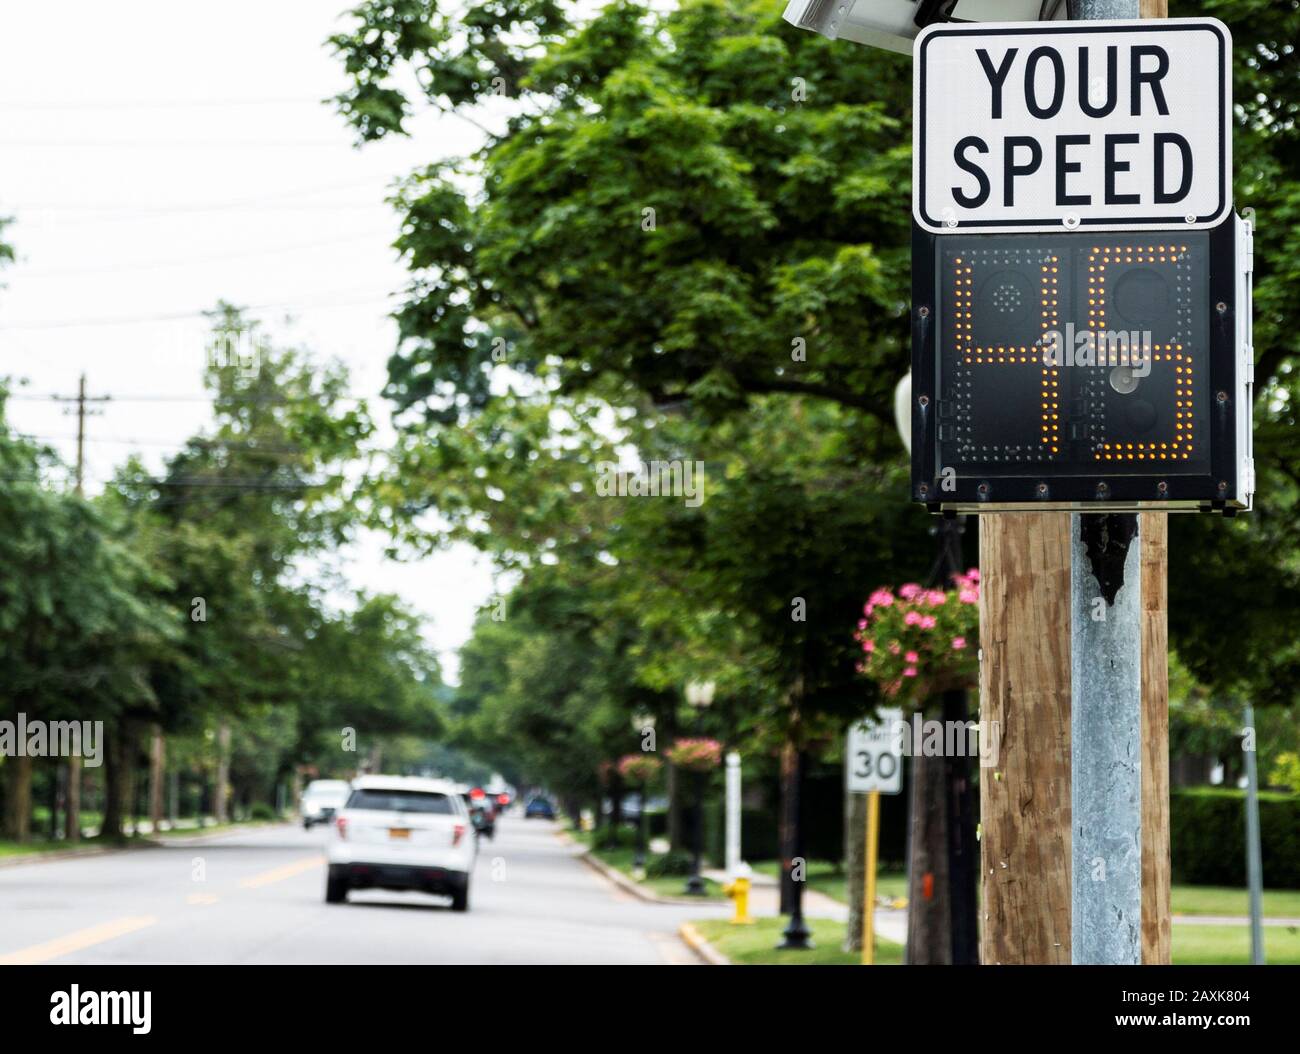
x=72, y=800
x=1025, y=707
x=1025, y=687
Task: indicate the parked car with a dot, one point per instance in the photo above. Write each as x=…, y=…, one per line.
x=402, y=833
x=321, y=800
x=540, y=807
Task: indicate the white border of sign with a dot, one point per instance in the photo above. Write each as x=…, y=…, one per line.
x=881, y=738
x=1055, y=225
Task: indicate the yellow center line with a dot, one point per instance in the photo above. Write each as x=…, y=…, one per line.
x=279, y=874
x=75, y=942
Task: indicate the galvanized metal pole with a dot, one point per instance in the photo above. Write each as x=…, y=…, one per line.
x=1254, y=861
x=1105, y=710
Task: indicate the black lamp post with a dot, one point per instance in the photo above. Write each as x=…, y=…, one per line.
x=796, y=936
x=700, y=695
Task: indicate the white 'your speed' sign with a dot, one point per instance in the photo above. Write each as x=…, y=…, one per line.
x=1031, y=126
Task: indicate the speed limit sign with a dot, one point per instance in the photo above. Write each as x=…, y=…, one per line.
x=875, y=754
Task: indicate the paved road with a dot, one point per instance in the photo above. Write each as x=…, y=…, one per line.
x=256, y=896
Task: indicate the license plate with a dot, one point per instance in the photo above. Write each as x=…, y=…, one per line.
x=402, y=834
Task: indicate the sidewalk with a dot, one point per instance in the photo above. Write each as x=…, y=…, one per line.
x=891, y=923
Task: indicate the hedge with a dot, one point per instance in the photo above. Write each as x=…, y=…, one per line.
x=1207, y=835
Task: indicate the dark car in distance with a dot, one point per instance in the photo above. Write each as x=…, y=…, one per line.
x=539, y=806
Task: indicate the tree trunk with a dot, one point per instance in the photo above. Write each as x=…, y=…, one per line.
x=18, y=798
x=117, y=766
x=72, y=815
x=131, y=785
x=221, y=794
x=157, y=774
x=929, y=913
x=855, y=855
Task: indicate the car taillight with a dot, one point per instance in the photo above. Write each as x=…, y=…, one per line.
x=457, y=832
x=503, y=799
x=342, y=825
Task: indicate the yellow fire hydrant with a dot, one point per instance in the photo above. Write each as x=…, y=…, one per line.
x=738, y=890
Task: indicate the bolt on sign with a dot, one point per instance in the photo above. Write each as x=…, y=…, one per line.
x=1081, y=285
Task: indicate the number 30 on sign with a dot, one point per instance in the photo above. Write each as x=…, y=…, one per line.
x=875, y=754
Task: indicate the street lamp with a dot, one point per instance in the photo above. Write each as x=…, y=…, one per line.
x=699, y=694
x=641, y=722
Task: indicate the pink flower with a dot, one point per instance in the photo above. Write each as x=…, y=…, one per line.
x=927, y=622
x=908, y=591
x=935, y=597
x=910, y=671
x=869, y=646
x=862, y=623
x=973, y=574
x=894, y=647
x=969, y=596
x=912, y=618
x=881, y=598
x=911, y=656
x=958, y=643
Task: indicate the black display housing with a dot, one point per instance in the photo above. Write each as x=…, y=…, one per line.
x=1003, y=417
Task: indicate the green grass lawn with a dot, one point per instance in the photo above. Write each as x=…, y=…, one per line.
x=43, y=845
x=669, y=886
x=825, y=877
x=1193, y=945
x=27, y=848
x=1230, y=945
x=756, y=945
x=1225, y=900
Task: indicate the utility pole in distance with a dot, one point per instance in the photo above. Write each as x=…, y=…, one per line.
x=72, y=816
x=81, y=399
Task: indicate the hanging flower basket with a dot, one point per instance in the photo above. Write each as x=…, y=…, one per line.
x=696, y=755
x=639, y=768
x=918, y=643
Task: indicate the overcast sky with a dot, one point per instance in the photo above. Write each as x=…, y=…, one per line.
x=158, y=156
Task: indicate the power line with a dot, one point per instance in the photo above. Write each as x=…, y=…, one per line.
x=300, y=192
x=177, y=144
x=237, y=444
x=272, y=399
x=156, y=104
x=215, y=258
x=326, y=302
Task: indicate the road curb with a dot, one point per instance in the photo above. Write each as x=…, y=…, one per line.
x=635, y=888
x=618, y=878
x=697, y=943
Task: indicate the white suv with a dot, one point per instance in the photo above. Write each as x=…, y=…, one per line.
x=399, y=832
